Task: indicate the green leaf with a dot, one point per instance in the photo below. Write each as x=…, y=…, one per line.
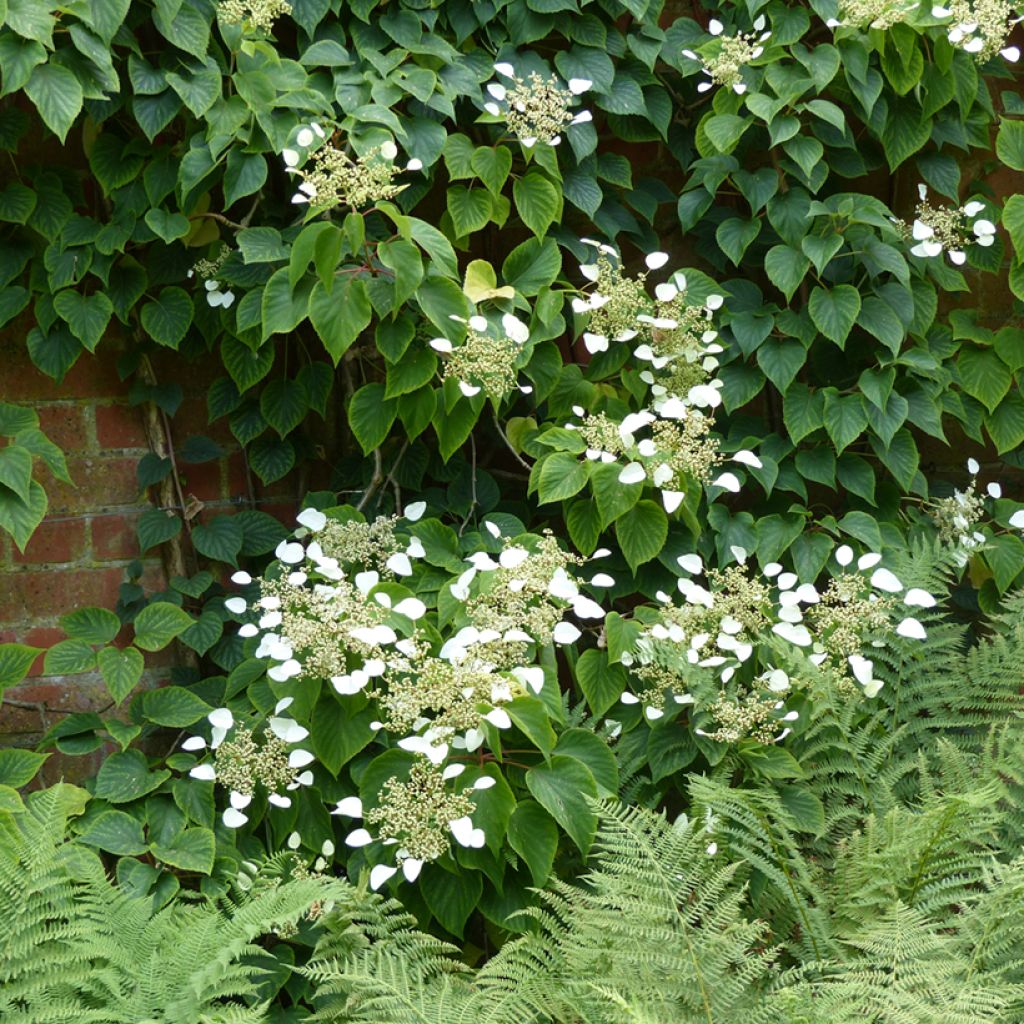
x=532, y=265
x=271, y=458
x=844, y=418
x=725, y=130
x=806, y=809
x=156, y=526
x=284, y=404
x=69, y=657
x=595, y=753
x=57, y=95
x=781, y=359
x=191, y=850
x=984, y=375
x=537, y=201
x=199, y=89
x=802, y=411
x=174, y=707
x=878, y=318
x=221, y=540
x=93, y=625
x=602, y=683
x=19, y=767
x=834, y=311
x=17, y=202
x=283, y=308
x=371, y=415
x=735, y=236
x=641, y=532
x=126, y=776
x=561, y=475
x=160, y=622
x=491, y=165
x=469, y=209
x=530, y=717
x=340, y=315
x=166, y=320
x=121, y=670
x=1010, y=144
x=86, y=315
x=561, y=787
x=451, y=897
x=247, y=366
x=412, y=372
x=16, y=470
x=15, y=661
x=786, y=267
x=1013, y=221
x=20, y=518
x=116, y=832
x=533, y=834
x=166, y=225
x=1006, y=424
x=771, y=762
x=337, y=734
x=245, y=174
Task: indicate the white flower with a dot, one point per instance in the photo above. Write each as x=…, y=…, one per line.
x=313, y=519
x=565, y=633
x=883, y=579
x=379, y=874
x=911, y=629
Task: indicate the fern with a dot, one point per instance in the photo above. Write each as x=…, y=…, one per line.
x=654, y=933
x=76, y=949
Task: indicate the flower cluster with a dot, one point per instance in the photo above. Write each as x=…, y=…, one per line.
x=717, y=650
x=676, y=451
x=535, y=108
x=259, y=14
x=733, y=53
x=241, y=765
x=337, y=179
x=981, y=27
x=208, y=269
x=487, y=358
x=677, y=342
x=418, y=815
x=938, y=229
x=957, y=516
x=335, y=608
x=878, y=14
x=674, y=335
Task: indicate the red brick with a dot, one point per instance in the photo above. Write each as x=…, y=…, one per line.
x=202, y=480
x=65, y=426
x=120, y=426
x=192, y=418
x=101, y=482
x=30, y=596
x=238, y=477
x=90, y=377
x=60, y=541
x=114, y=536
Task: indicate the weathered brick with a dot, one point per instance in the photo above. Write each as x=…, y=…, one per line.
x=120, y=426
x=66, y=425
x=114, y=536
x=90, y=377
x=59, y=541
x=100, y=482
x=203, y=480
x=35, y=595
x=192, y=418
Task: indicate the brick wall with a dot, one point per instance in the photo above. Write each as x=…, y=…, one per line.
x=79, y=554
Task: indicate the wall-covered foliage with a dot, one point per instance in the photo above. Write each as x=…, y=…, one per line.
x=638, y=327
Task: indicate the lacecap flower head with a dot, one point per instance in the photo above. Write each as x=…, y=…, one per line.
x=536, y=108
x=725, y=64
